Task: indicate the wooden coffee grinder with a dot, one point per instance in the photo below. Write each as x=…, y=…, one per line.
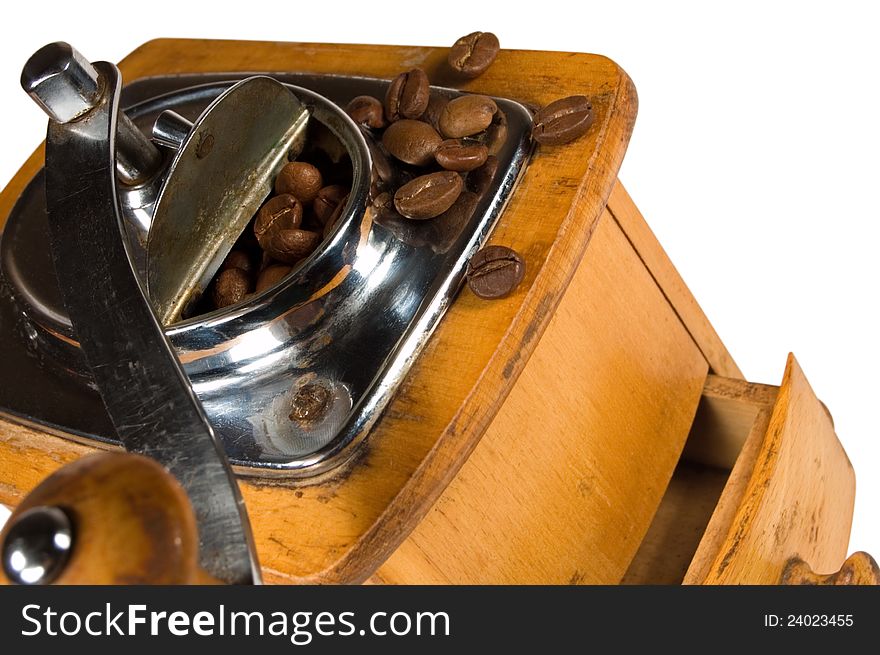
x=588, y=428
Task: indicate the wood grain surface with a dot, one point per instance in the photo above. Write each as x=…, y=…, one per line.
x=567, y=478
x=674, y=288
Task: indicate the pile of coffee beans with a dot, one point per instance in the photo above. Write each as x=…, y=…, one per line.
x=428, y=149
x=309, y=196
x=433, y=157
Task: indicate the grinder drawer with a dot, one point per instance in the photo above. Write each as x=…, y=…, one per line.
x=762, y=481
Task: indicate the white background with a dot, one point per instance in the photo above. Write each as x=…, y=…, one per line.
x=754, y=158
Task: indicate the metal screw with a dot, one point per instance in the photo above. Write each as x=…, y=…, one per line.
x=37, y=545
x=310, y=404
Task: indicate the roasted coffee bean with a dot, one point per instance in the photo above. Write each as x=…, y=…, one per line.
x=412, y=142
x=384, y=202
x=494, y=272
x=238, y=259
x=458, y=155
x=429, y=195
x=230, y=287
x=473, y=54
x=496, y=133
x=301, y=180
x=466, y=115
x=282, y=212
x=327, y=200
x=367, y=110
x=412, y=233
x=407, y=96
x=435, y=108
x=271, y=276
x=289, y=246
x=480, y=180
x=563, y=121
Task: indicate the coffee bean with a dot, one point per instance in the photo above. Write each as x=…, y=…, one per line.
x=282, y=212
x=327, y=200
x=384, y=203
x=494, y=272
x=473, y=54
x=271, y=276
x=230, y=287
x=496, y=133
x=367, y=110
x=466, y=115
x=289, y=246
x=480, y=180
x=412, y=142
x=301, y=180
x=407, y=96
x=458, y=155
x=238, y=259
x=412, y=233
x=563, y=121
x=429, y=195
x=435, y=108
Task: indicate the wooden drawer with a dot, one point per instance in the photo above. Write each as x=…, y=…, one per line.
x=762, y=481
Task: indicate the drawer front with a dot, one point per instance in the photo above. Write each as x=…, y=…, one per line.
x=790, y=496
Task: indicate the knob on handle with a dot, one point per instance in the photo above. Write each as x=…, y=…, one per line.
x=61, y=81
x=125, y=520
x=67, y=87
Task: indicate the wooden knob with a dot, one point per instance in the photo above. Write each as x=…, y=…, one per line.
x=859, y=569
x=131, y=522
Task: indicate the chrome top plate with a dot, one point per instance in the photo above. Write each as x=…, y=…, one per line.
x=352, y=319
